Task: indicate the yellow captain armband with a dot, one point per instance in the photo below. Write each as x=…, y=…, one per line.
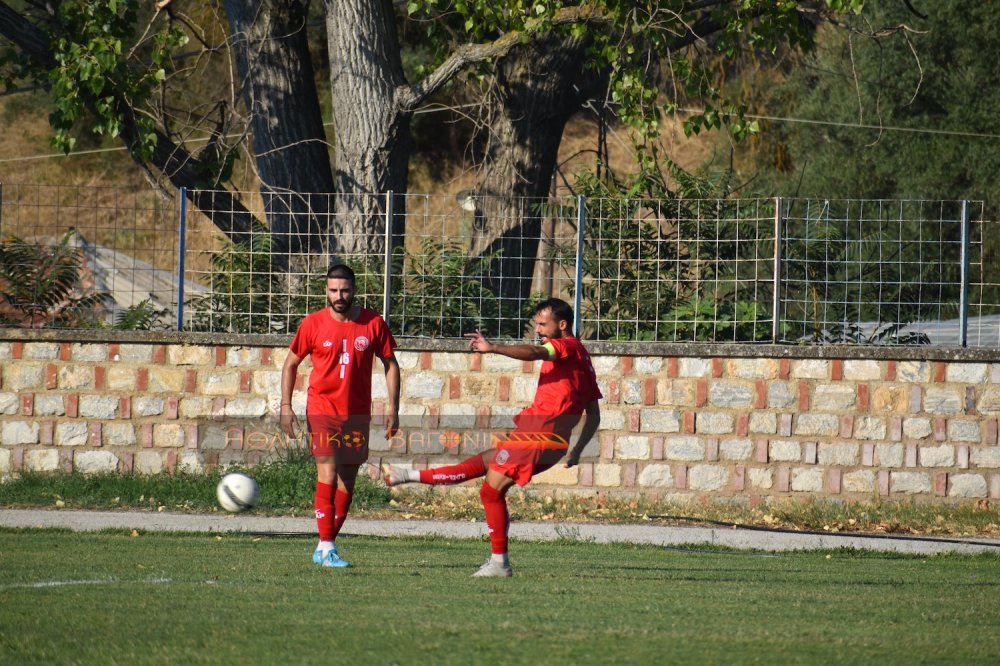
x=550, y=348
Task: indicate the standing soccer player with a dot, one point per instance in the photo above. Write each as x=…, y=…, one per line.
x=567, y=389
x=344, y=340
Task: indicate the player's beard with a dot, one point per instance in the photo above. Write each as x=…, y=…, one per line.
x=544, y=339
x=342, y=306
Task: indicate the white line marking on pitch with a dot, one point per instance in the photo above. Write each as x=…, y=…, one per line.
x=93, y=581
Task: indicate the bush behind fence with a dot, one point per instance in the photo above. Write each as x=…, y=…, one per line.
x=726, y=270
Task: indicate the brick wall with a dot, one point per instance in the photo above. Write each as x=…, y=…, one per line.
x=679, y=421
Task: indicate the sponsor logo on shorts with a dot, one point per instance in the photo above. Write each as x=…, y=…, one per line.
x=361, y=343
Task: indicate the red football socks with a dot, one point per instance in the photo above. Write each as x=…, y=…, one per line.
x=470, y=468
x=341, y=505
x=497, y=518
x=323, y=501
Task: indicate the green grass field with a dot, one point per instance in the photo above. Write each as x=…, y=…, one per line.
x=157, y=599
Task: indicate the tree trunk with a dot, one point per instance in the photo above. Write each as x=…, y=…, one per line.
x=372, y=129
x=539, y=87
x=271, y=50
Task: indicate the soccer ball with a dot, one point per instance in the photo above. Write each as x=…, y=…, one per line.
x=237, y=492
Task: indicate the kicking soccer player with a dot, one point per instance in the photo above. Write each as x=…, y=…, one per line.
x=567, y=389
x=343, y=340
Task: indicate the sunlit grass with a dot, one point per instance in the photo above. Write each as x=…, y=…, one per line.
x=287, y=489
x=139, y=598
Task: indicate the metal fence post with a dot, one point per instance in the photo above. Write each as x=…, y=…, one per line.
x=181, y=248
x=390, y=209
x=776, y=296
x=581, y=220
x=963, y=294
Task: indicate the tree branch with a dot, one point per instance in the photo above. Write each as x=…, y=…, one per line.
x=409, y=97
x=172, y=160
x=26, y=36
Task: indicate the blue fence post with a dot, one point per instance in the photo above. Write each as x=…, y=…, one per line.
x=581, y=220
x=181, y=248
x=390, y=213
x=963, y=294
x=776, y=287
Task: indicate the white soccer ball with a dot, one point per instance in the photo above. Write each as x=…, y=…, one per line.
x=237, y=492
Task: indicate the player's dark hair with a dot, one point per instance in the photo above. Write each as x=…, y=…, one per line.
x=340, y=272
x=561, y=310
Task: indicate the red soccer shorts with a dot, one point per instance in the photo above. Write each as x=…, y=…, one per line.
x=346, y=440
x=522, y=455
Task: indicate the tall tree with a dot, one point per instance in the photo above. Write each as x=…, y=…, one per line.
x=372, y=100
x=271, y=50
x=911, y=117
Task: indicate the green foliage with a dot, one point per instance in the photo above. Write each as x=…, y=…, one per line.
x=882, y=334
x=439, y=298
x=873, y=90
x=250, y=294
x=845, y=263
x=41, y=286
x=143, y=316
x=657, y=267
x=433, y=294
x=933, y=77
x=632, y=41
x=98, y=64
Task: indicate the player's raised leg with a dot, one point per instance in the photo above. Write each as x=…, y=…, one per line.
x=472, y=467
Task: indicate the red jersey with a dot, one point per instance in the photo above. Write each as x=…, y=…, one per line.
x=566, y=384
x=343, y=353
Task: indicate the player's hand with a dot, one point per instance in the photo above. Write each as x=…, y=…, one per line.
x=479, y=343
x=391, y=423
x=573, y=460
x=288, y=422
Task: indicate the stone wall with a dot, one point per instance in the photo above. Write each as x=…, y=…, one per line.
x=745, y=423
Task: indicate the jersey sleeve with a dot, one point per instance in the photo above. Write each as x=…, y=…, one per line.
x=384, y=342
x=594, y=391
x=302, y=343
x=557, y=348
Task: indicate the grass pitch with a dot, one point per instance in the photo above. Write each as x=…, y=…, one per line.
x=158, y=599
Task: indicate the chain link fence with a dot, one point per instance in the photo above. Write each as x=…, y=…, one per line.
x=742, y=270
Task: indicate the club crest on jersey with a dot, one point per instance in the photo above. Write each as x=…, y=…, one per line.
x=361, y=343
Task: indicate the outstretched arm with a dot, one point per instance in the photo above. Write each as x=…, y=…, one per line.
x=520, y=352
x=592, y=420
